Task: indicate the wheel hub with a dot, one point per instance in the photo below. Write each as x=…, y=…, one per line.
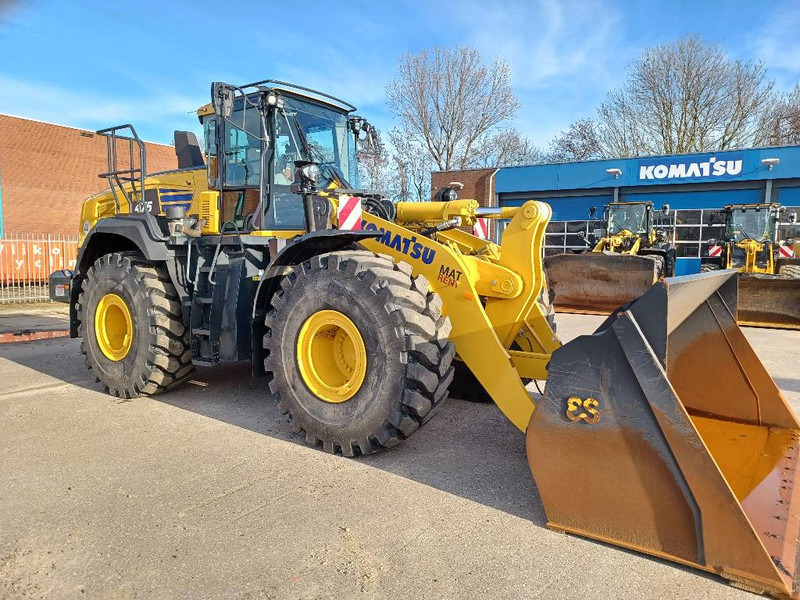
x=113, y=327
x=331, y=356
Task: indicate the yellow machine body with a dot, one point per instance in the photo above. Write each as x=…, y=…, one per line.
x=768, y=296
x=188, y=188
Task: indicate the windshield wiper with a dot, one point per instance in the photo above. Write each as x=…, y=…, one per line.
x=316, y=156
x=743, y=232
x=303, y=139
x=310, y=154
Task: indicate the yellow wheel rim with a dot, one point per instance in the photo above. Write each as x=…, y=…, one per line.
x=331, y=356
x=113, y=327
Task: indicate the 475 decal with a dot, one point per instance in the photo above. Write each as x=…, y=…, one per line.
x=583, y=410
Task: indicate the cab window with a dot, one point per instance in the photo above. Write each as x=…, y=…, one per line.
x=210, y=134
x=242, y=149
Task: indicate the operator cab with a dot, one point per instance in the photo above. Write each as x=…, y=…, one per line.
x=751, y=222
x=265, y=140
x=629, y=216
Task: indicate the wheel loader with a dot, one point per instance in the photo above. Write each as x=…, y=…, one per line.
x=625, y=256
x=769, y=268
x=351, y=310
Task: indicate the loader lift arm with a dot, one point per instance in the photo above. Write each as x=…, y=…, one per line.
x=466, y=273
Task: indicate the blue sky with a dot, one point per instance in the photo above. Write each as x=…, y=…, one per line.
x=94, y=64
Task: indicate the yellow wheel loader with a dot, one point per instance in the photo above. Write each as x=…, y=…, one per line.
x=351, y=309
x=769, y=268
x=627, y=256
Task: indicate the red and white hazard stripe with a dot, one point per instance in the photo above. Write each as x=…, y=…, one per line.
x=349, y=213
x=481, y=228
x=786, y=251
x=715, y=250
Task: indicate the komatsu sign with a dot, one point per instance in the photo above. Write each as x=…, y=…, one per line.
x=693, y=167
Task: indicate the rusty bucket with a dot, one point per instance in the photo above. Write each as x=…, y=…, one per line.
x=598, y=282
x=769, y=301
x=663, y=432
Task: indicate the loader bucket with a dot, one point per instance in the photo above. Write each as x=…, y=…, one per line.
x=662, y=432
x=598, y=282
x=769, y=301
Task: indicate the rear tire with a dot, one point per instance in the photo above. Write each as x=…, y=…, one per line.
x=669, y=261
x=404, y=335
x=792, y=271
x=708, y=267
x=157, y=357
x=549, y=309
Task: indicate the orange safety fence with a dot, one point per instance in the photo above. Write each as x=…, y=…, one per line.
x=26, y=261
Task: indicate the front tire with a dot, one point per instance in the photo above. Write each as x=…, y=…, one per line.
x=708, y=267
x=130, y=320
x=358, y=351
x=792, y=271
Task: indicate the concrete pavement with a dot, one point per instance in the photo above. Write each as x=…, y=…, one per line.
x=205, y=493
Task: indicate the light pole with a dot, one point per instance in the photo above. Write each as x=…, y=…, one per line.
x=770, y=163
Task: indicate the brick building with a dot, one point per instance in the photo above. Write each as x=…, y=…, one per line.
x=479, y=184
x=47, y=171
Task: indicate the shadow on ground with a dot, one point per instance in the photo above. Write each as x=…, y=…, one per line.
x=469, y=449
x=788, y=383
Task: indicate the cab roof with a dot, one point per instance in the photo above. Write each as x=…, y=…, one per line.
x=290, y=89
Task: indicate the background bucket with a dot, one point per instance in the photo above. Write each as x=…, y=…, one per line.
x=598, y=281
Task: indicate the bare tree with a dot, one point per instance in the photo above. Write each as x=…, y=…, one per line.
x=373, y=162
x=578, y=142
x=685, y=96
x=780, y=123
x=411, y=167
x=449, y=102
x=507, y=148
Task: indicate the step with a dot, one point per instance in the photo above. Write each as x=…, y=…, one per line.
x=202, y=332
x=202, y=362
x=204, y=299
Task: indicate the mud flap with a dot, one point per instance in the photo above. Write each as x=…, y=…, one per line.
x=598, y=281
x=663, y=432
x=769, y=301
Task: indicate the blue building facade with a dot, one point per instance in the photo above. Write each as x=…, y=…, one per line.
x=695, y=186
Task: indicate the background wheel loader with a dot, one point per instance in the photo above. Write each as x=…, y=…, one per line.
x=627, y=256
x=769, y=268
x=352, y=308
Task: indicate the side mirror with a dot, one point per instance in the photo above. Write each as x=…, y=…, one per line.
x=792, y=217
x=592, y=211
x=665, y=209
x=446, y=194
x=222, y=98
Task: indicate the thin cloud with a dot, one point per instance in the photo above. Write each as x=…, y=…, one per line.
x=545, y=42
x=778, y=44
x=160, y=113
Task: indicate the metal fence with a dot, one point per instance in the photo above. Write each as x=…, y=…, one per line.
x=26, y=261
